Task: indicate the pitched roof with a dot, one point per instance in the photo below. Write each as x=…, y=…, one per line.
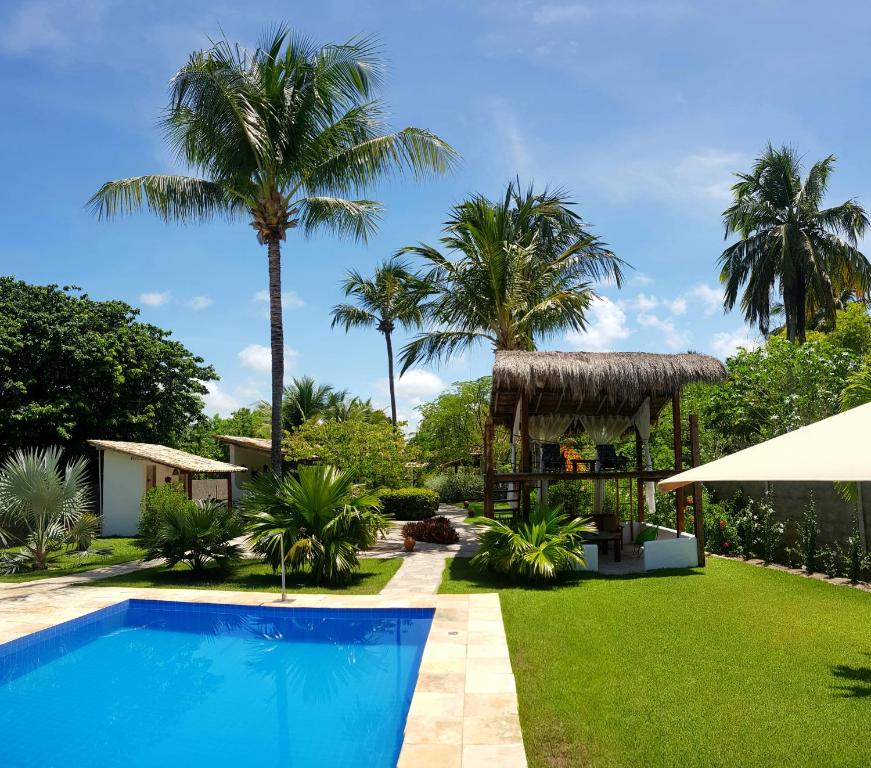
x=169, y=457
x=255, y=443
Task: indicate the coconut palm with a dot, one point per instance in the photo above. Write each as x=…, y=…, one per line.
x=305, y=399
x=525, y=270
x=322, y=524
x=41, y=501
x=391, y=297
x=278, y=137
x=789, y=245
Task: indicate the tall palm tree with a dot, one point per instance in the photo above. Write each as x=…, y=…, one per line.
x=305, y=399
x=391, y=297
x=278, y=137
x=525, y=270
x=789, y=245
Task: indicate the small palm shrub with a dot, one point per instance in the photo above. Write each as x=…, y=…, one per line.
x=453, y=487
x=435, y=530
x=409, y=503
x=536, y=549
x=41, y=500
x=322, y=523
x=82, y=532
x=197, y=534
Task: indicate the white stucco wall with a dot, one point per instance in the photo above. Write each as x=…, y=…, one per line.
x=123, y=486
x=246, y=457
x=671, y=551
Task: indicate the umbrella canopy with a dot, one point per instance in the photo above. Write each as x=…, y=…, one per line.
x=837, y=448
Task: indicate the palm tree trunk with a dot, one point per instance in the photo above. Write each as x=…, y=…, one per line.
x=390, y=377
x=276, y=340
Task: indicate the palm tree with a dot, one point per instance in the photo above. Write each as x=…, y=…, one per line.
x=305, y=399
x=391, y=297
x=789, y=245
x=278, y=137
x=525, y=271
x=317, y=517
x=41, y=502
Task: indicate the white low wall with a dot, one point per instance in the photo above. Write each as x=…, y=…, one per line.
x=669, y=550
x=591, y=557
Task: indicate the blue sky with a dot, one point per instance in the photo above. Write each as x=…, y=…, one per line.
x=642, y=109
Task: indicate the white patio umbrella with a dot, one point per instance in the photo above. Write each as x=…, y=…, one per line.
x=834, y=449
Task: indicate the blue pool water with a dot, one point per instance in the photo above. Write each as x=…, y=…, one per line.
x=152, y=683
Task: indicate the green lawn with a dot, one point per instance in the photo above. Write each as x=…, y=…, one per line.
x=123, y=551
x=254, y=576
x=723, y=666
x=476, y=508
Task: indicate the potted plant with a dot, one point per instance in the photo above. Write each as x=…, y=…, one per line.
x=465, y=504
x=409, y=543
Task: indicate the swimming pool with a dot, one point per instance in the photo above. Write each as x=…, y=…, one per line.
x=147, y=683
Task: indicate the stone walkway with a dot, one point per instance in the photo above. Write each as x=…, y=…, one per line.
x=421, y=569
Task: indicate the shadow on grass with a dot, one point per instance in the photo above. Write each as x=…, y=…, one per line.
x=461, y=570
x=857, y=680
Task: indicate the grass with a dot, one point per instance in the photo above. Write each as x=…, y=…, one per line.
x=727, y=665
x=476, y=508
x=253, y=576
x=69, y=563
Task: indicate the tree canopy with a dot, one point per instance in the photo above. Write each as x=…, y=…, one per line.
x=72, y=368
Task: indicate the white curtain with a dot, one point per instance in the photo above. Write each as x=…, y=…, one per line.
x=642, y=424
x=603, y=429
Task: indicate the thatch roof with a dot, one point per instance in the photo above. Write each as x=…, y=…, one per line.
x=168, y=457
x=254, y=443
x=599, y=382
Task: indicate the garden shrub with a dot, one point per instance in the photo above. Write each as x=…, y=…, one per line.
x=854, y=561
x=806, y=551
x=409, y=503
x=435, y=530
x=830, y=559
x=571, y=496
x=769, y=531
x=457, y=486
x=156, y=503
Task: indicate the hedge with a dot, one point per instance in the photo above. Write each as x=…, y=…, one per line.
x=409, y=503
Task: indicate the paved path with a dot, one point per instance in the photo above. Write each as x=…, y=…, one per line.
x=421, y=569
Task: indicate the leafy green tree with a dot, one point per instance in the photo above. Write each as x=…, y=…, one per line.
x=42, y=499
x=452, y=426
x=316, y=518
x=199, y=437
x=524, y=271
x=391, y=297
x=278, y=137
x=371, y=453
x=72, y=369
x=789, y=244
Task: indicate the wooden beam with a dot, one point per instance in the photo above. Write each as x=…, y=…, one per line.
x=698, y=512
x=525, y=453
x=229, y=491
x=190, y=485
x=639, y=465
x=679, y=497
x=488, y=467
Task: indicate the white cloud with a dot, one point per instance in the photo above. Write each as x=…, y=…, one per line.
x=53, y=25
x=218, y=401
x=419, y=383
x=289, y=300
x=561, y=14
x=155, y=298
x=710, y=298
x=644, y=302
x=516, y=148
x=200, y=302
x=259, y=358
x=413, y=388
x=727, y=343
x=642, y=278
x=674, y=337
x=678, y=306
x=606, y=325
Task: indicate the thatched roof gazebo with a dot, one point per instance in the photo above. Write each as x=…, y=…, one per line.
x=540, y=396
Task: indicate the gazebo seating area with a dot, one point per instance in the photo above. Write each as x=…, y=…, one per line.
x=544, y=397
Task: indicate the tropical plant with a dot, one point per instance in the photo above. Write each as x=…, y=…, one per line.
x=156, y=504
x=315, y=518
x=305, y=399
x=41, y=500
x=197, y=534
x=433, y=530
x=278, y=137
x=790, y=245
x=82, y=532
x=391, y=297
x=525, y=268
x=537, y=548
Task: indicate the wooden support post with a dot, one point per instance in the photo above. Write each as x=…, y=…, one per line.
x=698, y=511
x=229, y=491
x=525, y=454
x=678, y=461
x=190, y=485
x=639, y=465
x=488, y=468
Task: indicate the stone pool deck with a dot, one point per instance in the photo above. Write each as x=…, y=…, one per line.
x=464, y=710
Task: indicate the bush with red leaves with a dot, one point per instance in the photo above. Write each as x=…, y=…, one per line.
x=434, y=530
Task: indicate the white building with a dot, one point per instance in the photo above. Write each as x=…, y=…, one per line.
x=128, y=470
x=252, y=453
